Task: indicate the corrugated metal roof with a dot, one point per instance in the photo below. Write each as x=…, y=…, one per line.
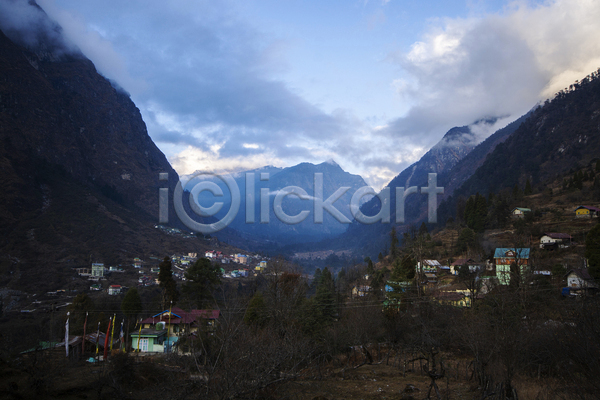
x=555, y=235
x=520, y=252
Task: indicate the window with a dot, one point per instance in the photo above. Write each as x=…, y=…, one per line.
x=143, y=345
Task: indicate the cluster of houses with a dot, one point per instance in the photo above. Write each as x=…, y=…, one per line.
x=160, y=333
x=260, y=263
x=508, y=263
x=148, y=271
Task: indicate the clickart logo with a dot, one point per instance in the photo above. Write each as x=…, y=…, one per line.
x=207, y=182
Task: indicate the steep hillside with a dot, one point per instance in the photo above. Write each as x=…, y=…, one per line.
x=557, y=137
x=80, y=175
x=456, y=144
x=459, y=173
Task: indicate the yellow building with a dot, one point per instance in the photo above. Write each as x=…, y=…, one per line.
x=586, y=212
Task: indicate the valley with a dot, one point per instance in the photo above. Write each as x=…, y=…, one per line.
x=473, y=273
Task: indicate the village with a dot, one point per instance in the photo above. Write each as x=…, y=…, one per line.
x=86, y=322
x=459, y=283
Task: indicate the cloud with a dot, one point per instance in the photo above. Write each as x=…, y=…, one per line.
x=94, y=46
x=29, y=25
x=208, y=82
x=211, y=85
x=497, y=65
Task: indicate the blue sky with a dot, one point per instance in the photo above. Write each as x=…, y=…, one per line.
x=230, y=85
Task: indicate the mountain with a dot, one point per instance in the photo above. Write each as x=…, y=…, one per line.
x=277, y=231
x=80, y=174
x=561, y=135
x=453, y=158
x=452, y=178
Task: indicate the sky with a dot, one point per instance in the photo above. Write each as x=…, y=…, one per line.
x=372, y=84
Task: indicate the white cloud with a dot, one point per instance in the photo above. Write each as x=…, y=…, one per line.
x=91, y=40
x=203, y=78
x=466, y=69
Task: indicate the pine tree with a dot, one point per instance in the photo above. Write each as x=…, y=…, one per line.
x=393, y=244
x=132, y=304
x=256, y=313
x=480, y=213
x=325, y=297
x=592, y=251
x=200, y=281
x=528, y=189
x=423, y=231
x=167, y=283
x=517, y=193
x=470, y=211
x=370, y=267
x=131, y=307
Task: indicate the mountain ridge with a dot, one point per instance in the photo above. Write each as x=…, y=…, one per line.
x=80, y=172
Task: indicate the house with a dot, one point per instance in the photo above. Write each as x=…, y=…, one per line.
x=457, y=299
x=505, y=257
x=393, y=290
x=241, y=258
x=178, y=322
x=149, y=340
x=580, y=281
x=553, y=240
x=114, y=290
x=360, y=290
x=429, y=266
x=519, y=212
x=137, y=263
x=472, y=264
x=85, y=271
x=587, y=212
x=97, y=271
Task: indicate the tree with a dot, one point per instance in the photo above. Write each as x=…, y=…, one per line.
x=131, y=307
x=517, y=193
x=528, y=189
x=370, y=267
x=393, y=244
x=132, y=304
x=476, y=212
x=284, y=291
x=325, y=297
x=592, y=251
x=316, y=278
x=200, y=281
x=256, y=313
x=167, y=283
x=423, y=231
x=82, y=304
x=466, y=240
